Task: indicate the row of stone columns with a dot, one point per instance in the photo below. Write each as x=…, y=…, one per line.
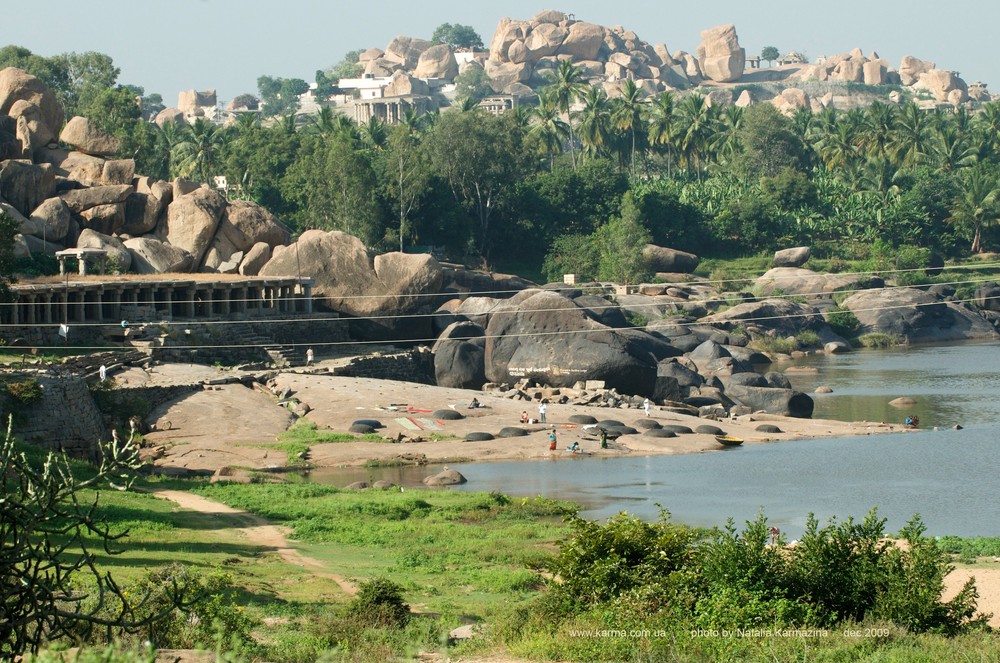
x=101, y=301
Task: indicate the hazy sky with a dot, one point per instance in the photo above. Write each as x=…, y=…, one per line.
x=171, y=46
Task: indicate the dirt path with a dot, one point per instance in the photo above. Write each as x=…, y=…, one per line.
x=258, y=532
x=988, y=584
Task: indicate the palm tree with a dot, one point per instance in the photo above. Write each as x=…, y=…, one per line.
x=910, y=143
x=628, y=112
x=951, y=150
x=375, y=133
x=595, y=121
x=662, y=124
x=977, y=206
x=549, y=129
x=726, y=143
x=838, y=148
x=877, y=129
x=567, y=85
x=199, y=148
x=697, y=121
x=988, y=121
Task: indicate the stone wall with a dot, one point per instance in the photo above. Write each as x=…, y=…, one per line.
x=410, y=366
x=66, y=417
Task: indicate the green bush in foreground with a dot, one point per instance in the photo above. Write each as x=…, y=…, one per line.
x=650, y=589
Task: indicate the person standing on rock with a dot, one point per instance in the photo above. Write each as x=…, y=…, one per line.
x=645, y=406
x=309, y=356
x=542, y=407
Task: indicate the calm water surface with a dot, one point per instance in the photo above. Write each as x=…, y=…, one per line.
x=948, y=476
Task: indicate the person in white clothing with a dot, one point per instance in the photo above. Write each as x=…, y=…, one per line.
x=542, y=407
x=645, y=406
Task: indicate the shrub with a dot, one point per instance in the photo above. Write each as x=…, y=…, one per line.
x=878, y=341
x=25, y=392
x=600, y=561
x=808, y=339
x=380, y=603
x=843, y=322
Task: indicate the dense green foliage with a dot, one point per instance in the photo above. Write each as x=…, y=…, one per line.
x=713, y=180
x=457, y=36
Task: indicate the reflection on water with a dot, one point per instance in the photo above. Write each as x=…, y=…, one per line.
x=946, y=475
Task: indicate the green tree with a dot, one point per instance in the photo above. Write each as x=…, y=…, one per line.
x=769, y=143
x=51, y=71
x=769, y=53
x=457, y=36
x=335, y=188
x=567, y=86
x=472, y=84
x=549, y=129
x=199, y=151
x=280, y=96
x=977, y=205
x=628, y=113
x=8, y=228
x=405, y=175
x=348, y=67
x=51, y=541
x=662, y=126
x=89, y=74
x=481, y=157
x=596, y=129
x=696, y=121
x=621, y=241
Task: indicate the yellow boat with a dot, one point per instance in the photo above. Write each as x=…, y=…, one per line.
x=729, y=440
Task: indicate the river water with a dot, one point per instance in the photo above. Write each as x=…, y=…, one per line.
x=947, y=476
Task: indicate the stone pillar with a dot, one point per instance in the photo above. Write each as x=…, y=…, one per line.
x=47, y=308
x=226, y=292
x=307, y=302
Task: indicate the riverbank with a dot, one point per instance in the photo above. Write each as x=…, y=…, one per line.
x=233, y=426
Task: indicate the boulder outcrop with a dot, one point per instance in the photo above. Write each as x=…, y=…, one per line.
x=543, y=335
x=192, y=221
x=720, y=55
x=459, y=356
x=437, y=62
x=915, y=316
x=89, y=138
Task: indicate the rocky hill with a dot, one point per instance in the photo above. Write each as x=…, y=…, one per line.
x=524, y=53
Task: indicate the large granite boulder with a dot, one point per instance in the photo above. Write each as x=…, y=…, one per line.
x=168, y=115
x=50, y=220
x=543, y=335
x=118, y=171
x=89, y=138
x=404, y=85
x=144, y=209
x=544, y=41
x=791, y=100
x=17, y=85
x=787, y=402
x=151, y=256
x=192, y=221
x=720, y=56
x=915, y=316
x=774, y=316
x=987, y=296
x=663, y=259
x=81, y=200
x=119, y=258
x=244, y=224
x=507, y=32
x=437, y=62
x=798, y=281
x=406, y=51
x=910, y=69
x=944, y=85
x=106, y=219
x=350, y=282
x=503, y=75
x=584, y=41
x=82, y=168
x=30, y=128
x=255, y=259
x=674, y=381
x=25, y=185
x=795, y=257
x=459, y=356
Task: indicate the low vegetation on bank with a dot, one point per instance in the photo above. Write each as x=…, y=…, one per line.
x=394, y=571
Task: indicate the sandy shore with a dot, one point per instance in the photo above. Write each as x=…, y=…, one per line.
x=232, y=425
